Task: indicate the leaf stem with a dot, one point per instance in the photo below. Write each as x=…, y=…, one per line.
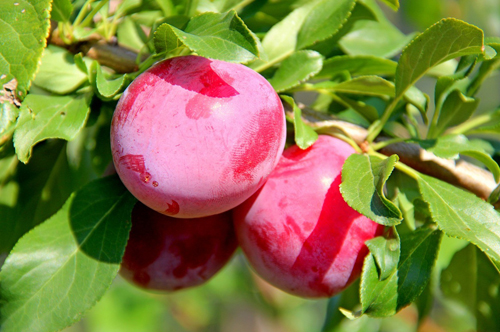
x=82, y=13
x=272, y=62
x=473, y=123
x=348, y=140
x=377, y=126
x=94, y=11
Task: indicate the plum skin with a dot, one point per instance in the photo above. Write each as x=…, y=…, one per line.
x=167, y=254
x=297, y=231
x=193, y=137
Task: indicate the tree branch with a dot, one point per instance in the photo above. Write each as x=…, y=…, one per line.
x=120, y=59
x=457, y=172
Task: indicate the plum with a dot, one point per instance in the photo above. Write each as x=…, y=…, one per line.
x=167, y=254
x=193, y=137
x=297, y=231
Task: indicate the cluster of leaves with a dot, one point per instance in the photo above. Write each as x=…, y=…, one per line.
x=57, y=103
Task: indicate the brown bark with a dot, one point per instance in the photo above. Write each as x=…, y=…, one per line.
x=457, y=172
x=109, y=54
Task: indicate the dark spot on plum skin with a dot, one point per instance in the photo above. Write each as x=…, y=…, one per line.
x=154, y=235
x=173, y=208
x=135, y=162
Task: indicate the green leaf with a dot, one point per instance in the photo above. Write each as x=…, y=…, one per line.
x=456, y=109
x=104, y=88
x=297, y=68
x=459, y=279
x=68, y=262
x=461, y=214
x=329, y=46
x=371, y=38
x=472, y=280
x=394, y=4
x=450, y=146
x=363, y=180
x=418, y=253
x=217, y=36
x=305, y=136
x=386, y=253
x=486, y=69
x=375, y=86
x=366, y=111
x=43, y=117
x=445, y=40
x=35, y=192
x=8, y=117
x=61, y=10
x=299, y=29
x=24, y=27
x=357, y=65
x=58, y=72
x=365, y=85
x=130, y=34
x=325, y=19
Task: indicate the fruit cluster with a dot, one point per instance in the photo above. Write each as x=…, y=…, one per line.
x=200, y=143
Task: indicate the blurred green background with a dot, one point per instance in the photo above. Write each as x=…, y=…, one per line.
x=236, y=300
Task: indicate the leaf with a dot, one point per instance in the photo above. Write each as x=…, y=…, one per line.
x=305, y=136
x=329, y=46
x=450, y=146
x=43, y=117
x=386, y=252
x=217, y=36
x=324, y=20
x=461, y=214
x=371, y=38
x=34, y=192
x=366, y=111
x=418, y=253
x=297, y=68
x=104, y=88
x=375, y=86
x=68, y=262
x=58, y=72
x=24, y=27
x=357, y=65
x=472, y=280
x=8, y=117
x=394, y=4
x=445, y=40
x=61, y=10
x=363, y=180
x=459, y=279
x=486, y=69
x=366, y=85
x=130, y=34
x=456, y=109
x=298, y=29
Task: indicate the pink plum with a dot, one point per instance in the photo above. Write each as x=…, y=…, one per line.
x=297, y=231
x=193, y=137
x=165, y=253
